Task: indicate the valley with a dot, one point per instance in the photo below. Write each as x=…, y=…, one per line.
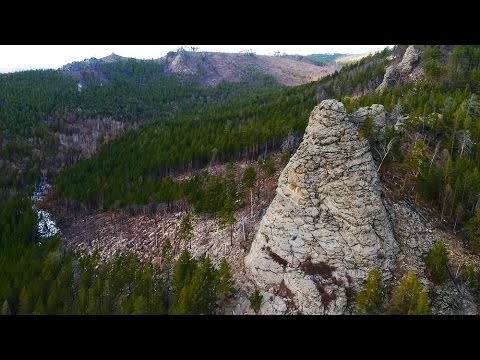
x=190, y=183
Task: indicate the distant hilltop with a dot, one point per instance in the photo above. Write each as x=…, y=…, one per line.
x=211, y=68
x=13, y=69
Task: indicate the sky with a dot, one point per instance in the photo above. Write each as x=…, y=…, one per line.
x=21, y=57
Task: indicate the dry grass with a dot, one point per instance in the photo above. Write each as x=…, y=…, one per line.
x=352, y=58
x=216, y=67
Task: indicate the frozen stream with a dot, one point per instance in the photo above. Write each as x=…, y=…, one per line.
x=46, y=226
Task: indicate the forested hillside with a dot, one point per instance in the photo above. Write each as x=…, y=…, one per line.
x=172, y=128
x=38, y=107
x=440, y=153
x=243, y=128
x=318, y=59
x=38, y=110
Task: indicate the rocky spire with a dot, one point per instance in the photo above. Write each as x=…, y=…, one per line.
x=403, y=70
x=327, y=226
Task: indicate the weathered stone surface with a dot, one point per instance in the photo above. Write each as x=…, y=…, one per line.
x=402, y=70
x=376, y=111
x=327, y=226
x=390, y=78
x=416, y=235
x=410, y=58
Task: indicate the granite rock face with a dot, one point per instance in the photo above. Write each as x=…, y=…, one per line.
x=391, y=77
x=376, y=111
x=401, y=71
x=416, y=235
x=327, y=226
x=409, y=60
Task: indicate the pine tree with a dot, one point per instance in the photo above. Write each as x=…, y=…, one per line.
x=185, y=231
x=182, y=276
x=368, y=130
x=471, y=277
x=437, y=261
x=256, y=301
x=422, y=306
x=26, y=302
x=268, y=169
x=140, y=306
x=39, y=308
x=92, y=303
x=230, y=180
x=473, y=231
x=226, y=217
x=167, y=257
x=248, y=182
x=370, y=299
x=183, y=304
x=225, y=285
x=409, y=297
x=124, y=305
x=203, y=288
x=417, y=159
x=52, y=303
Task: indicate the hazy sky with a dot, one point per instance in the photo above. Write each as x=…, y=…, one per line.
x=54, y=56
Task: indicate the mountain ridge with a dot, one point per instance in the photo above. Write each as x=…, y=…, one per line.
x=211, y=68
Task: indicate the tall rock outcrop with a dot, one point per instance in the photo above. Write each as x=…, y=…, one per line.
x=409, y=60
x=401, y=71
x=327, y=226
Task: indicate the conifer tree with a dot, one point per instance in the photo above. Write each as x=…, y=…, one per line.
x=226, y=217
x=249, y=180
x=225, y=285
x=409, y=297
x=473, y=231
x=437, y=261
x=370, y=299
x=256, y=301
x=471, y=277
x=185, y=232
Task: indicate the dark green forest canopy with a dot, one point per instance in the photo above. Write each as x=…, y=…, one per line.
x=239, y=128
x=37, y=105
x=41, y=277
